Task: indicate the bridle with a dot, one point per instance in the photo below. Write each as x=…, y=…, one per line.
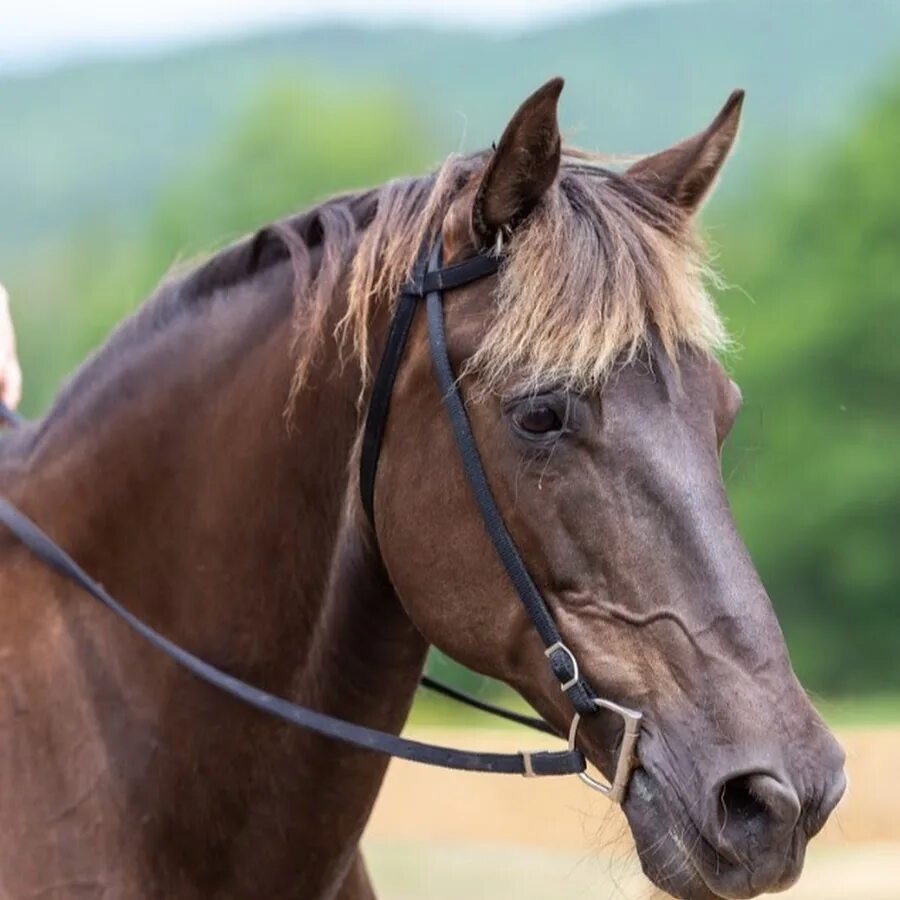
x=429, y=280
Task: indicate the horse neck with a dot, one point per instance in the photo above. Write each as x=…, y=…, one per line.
x=175, y=481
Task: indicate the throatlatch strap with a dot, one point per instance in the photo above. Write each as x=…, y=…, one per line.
x=564, y=762
x=376, y=417
x=562, y=663
x=424, y=279
x=461, y=697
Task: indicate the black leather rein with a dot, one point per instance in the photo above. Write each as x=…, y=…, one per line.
x=429, y=281
x=545, y=763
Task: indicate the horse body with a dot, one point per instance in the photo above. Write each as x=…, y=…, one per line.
x=121, y=775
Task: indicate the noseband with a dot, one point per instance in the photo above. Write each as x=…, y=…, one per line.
x=430, y=279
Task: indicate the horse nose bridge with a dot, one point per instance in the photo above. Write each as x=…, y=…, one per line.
x=743, y=722
x=697, y=540
x=761, y=714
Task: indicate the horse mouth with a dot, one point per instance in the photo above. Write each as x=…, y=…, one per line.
x=677, y=857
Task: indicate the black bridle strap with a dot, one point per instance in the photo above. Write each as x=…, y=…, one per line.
x=376, y=417
x=429, y=280
x=565, y=762
x=456, y=275
x=425, y=278
x=468, y=700
x=562, y=662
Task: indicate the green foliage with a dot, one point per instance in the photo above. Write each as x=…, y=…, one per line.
x=295, y=145
x=812, y=466
x=291, y=146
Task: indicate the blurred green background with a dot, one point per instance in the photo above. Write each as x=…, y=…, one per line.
x=112, y=170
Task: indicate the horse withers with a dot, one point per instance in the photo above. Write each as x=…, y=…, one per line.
x=202, y=466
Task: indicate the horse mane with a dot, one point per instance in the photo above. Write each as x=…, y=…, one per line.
x=598, y=265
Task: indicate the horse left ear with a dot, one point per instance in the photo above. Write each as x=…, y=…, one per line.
x=522, y=168
x=685, y=174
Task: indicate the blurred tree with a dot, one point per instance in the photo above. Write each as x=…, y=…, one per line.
x=298, y=141
x=813, y=464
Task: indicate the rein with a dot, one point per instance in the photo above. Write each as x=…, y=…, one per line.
x=430, y=279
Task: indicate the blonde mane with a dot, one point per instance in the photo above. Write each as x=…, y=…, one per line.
x=598, y=264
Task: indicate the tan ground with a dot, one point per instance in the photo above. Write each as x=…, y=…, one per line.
x=438, y=835
x=417, y=871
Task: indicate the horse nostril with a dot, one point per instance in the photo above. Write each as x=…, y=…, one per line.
x=756, y=806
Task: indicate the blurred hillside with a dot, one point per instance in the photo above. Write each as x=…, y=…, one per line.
x=114, y=170
x=97, y=141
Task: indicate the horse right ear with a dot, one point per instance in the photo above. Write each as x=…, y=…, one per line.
x=522, y=168
x=685, y=174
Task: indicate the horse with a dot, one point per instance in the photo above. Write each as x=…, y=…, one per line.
x=202, y=466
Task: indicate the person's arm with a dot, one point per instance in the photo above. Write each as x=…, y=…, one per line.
x=10, y=372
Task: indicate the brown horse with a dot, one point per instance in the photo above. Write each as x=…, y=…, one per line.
x=202, y=466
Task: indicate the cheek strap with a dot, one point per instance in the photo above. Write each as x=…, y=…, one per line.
x=562, y=662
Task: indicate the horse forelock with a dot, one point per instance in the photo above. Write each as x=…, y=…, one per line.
x=600, y=266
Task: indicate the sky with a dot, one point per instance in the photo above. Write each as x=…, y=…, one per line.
x=37, y=33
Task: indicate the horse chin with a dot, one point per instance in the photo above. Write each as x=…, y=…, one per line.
x=678, y=860
x=664, y=855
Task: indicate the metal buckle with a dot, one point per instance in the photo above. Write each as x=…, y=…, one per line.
x=559, y=645
x=625, y=763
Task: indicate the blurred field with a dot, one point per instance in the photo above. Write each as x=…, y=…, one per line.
x=438, y=835
x=415, y=871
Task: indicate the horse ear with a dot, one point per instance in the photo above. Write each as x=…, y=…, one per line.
x=684, y=174
x=522, y=167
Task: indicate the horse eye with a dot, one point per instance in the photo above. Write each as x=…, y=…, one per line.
x=538, y=420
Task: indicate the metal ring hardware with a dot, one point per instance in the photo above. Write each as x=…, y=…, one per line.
x=625, y=762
